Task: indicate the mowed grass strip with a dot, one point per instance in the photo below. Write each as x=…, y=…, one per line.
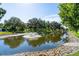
x=5, y=33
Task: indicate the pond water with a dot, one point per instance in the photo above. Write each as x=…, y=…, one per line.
x=18, y=44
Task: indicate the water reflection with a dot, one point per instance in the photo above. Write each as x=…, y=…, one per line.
x=17, y=44
x=13, y=42
x=44, y=39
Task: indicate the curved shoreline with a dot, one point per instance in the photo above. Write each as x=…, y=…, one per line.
x=60, y=51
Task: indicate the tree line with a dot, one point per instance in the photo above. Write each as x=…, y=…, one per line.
x=15, y=24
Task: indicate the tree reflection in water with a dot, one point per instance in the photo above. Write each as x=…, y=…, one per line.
x=44, y=39
x=13, y=42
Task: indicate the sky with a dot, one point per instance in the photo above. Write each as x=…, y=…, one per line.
x=46, y=11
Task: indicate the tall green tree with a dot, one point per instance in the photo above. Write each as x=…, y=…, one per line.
x=41, y=26
x=36, y=23
x=2, y=12
x=69, y=13
x=14, y=24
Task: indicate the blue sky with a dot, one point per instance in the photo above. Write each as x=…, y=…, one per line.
x=27, y=11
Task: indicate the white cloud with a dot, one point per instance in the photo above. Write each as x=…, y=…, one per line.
x=50, y=18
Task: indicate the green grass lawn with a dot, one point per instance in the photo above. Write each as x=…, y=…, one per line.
x=4, y=33
x=75, y=54
x=75, y=33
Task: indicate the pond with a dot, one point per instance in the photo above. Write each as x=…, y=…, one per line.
x=18, y=44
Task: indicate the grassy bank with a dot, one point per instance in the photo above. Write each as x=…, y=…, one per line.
x=74, y=54
x=77, y=35
x=5, y=33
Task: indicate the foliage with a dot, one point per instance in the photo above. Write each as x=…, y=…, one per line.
x=34, y=24
x=1, y=25
x=75, y=33
x=69, y=14
x=2, y=12
x=14, y=24
x=41, y=26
